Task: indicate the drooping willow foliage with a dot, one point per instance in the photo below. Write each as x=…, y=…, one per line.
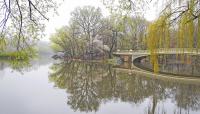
x=178, y=25
x=158, y=37
x=198, y=34
x=184, y=19
x=2, y=44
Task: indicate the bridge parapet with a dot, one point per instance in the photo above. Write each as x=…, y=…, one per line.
x=159, y=51
x=139, y=53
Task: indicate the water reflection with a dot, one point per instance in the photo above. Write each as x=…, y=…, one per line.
x=81, y=81
x=25, y=65
x=184, y=65
x=15, y=65
x=91, y=84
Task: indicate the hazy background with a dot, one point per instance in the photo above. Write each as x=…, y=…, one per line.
x=67, y=6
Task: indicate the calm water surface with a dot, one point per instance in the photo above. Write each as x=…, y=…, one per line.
x=53, y=87
x=183, y=65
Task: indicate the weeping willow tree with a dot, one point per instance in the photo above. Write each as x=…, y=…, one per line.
x=180, y=16
x=2, y=44
x=158, y=37
x=184, y=18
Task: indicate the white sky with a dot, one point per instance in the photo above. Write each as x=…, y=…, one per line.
x=68, y=6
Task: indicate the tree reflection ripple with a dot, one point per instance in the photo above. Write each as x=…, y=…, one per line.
x=90, y=85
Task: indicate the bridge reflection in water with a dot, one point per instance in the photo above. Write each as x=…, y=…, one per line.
x=130, y=57
x=91, y=85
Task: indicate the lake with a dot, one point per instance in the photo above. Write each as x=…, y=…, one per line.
x=179, y=65
x=47, y=86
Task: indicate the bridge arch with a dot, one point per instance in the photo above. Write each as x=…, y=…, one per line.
x=140, y=53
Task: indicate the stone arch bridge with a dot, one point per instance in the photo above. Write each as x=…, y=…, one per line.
x=131, y=55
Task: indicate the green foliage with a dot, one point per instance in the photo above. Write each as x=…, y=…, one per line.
x=19, y=60
x=64, y=40
x=159, y=34
x=134, y=32
x=19, y=65
x=22, y=21
x=25, y=54
x=59, y=39
x=88, y=25
x=2, y=44
x=158, y=37
x=198, y=34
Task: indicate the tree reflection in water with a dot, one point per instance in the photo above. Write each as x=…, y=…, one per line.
x=15, y=65
x=24, y=65
x=90, y=84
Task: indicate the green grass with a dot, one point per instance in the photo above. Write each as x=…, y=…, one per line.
x=19, y=55
x=112, y=61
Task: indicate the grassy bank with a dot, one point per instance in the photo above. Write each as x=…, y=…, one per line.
x=25, y=54
x=20, y=55
x=111, y=61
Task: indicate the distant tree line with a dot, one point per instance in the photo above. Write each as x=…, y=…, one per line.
x=90, y=35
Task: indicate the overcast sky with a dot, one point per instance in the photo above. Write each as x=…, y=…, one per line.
x=68, y=6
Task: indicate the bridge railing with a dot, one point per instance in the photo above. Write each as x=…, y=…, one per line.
x=160, y=50
x=179, y=50
x=132, y=50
